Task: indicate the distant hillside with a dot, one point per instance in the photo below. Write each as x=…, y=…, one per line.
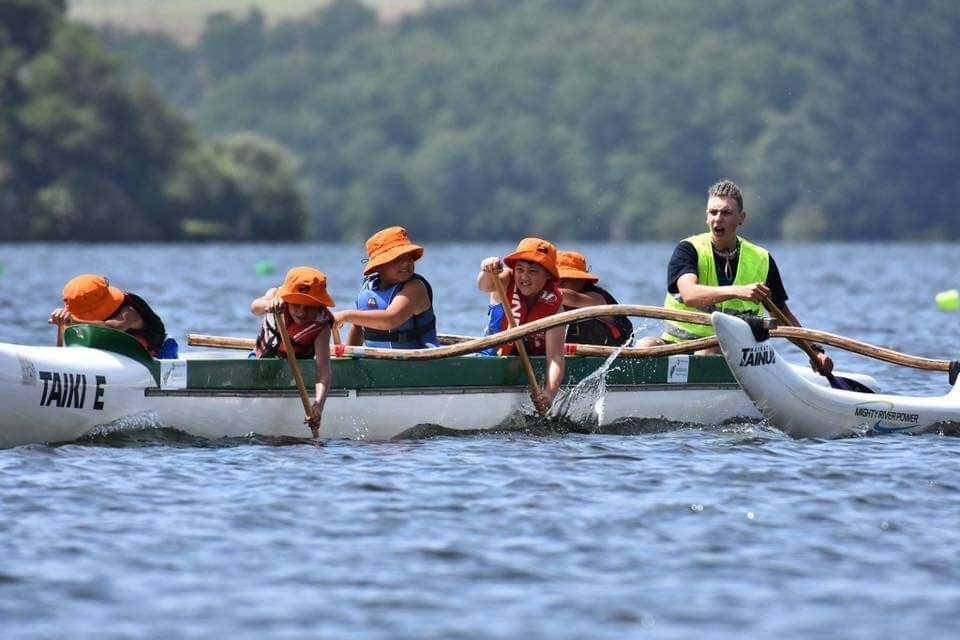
x=183, y=19
x=588, y=119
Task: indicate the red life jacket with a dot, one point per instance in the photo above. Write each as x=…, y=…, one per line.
x=548, y=302
x=270, y=345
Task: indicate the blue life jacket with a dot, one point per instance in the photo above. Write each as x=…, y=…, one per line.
x=169, y=350
x=494, y=324
x=418, y=332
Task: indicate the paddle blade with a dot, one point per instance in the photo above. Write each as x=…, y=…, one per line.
x=848, y=384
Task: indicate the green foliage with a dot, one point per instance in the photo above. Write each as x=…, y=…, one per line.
x=323, y=31
x=87, y=156
x=28, y=24
x=572, y=119
x=595, y=119
x=231, y=45
x=172, y=68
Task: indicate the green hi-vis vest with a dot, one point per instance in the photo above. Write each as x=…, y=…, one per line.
x=753, y=263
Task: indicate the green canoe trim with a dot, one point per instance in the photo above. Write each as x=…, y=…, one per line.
x=458, y=372
x=454, y=372
x=107, y=339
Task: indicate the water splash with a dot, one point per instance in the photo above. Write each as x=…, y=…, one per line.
x=584, y=404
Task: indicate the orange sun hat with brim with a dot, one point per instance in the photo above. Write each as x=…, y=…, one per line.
x=573, y=266
x=307, y=286
x=535, y=250
x=90, y=297
x=387, y=245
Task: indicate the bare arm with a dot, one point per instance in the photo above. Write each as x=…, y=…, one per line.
x=355, y=336
x=60, y=316
x=125, y=318
x=266, y=303
x=492, y=268
x=321, y=344
x=577, y=299
x=411, y=300
x=556, y=365
x=701, y=296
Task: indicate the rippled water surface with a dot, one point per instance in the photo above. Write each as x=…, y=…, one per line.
x=713, y=531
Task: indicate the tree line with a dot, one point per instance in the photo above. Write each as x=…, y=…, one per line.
x=570, y=119
x=87, y=155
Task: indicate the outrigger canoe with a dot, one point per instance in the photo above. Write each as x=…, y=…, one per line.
x=103, y=380
x=803, y=409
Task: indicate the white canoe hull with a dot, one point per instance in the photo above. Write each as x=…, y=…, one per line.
x=54, y=395
x=381, y=415
x=803, y=409
x=57, y=395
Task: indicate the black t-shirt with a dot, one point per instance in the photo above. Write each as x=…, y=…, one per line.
x=684, y=260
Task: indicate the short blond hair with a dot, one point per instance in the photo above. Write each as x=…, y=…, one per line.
x=726, y=189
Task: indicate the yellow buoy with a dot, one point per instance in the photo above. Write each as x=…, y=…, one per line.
x=948, y=300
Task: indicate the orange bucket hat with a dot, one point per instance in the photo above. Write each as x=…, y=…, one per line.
x=306, y=285
x=387, y=245
x=573, y=266
x=90, y=297
x=535, y=250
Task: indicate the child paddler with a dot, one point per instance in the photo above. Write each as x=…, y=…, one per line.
x=529, y=276
x=304, y=300
x=580, y=289
x=91, y=299
x=395, y=304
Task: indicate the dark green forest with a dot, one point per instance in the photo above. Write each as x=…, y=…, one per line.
x=87, y=155
x=587, y=119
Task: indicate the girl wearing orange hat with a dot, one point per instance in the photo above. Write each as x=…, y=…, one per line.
x=91, y=299
x=579, y=288
x=529, y=276
x=395, y=304
x=304, y=300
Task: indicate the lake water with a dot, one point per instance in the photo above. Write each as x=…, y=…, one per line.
x=718, y=532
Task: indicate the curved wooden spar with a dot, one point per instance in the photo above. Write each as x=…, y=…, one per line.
x=478, y=344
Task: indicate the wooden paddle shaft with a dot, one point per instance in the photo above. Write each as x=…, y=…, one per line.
x=294, y=366
x=223, y=342
x=521, y=349
x=785, y=321
x=226, y=342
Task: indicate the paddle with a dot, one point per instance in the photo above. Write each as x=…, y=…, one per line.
x=60, y=328
x=521, y=349
x=837, y=383
x=295, y=367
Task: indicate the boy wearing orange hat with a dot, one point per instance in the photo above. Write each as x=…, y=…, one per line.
x=579, y=288
x=303, y=298
x=529, y=276
x=395, y=304
x=91, y=299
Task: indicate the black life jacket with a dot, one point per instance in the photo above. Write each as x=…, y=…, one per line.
x=612, y=331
